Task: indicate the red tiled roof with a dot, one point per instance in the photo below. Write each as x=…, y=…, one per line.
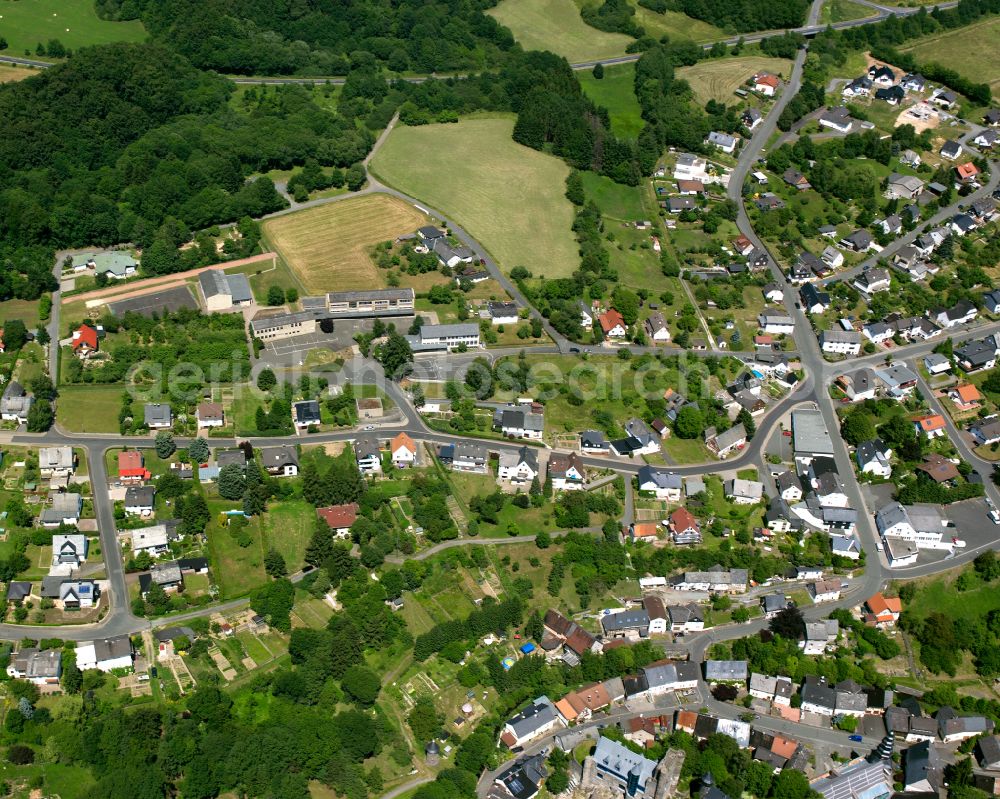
x=930, y=423
x=610, y=320
x=683, y=519
x=767, y=79
x=130, y=464
x=85, y=335
x=339, y=517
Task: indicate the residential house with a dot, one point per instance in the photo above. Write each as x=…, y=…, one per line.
x=832, y=257
x=899, y=552
x=882, y=611
x=139, y=500
x=660, y=482
x=724, y=443
x=931, y=425
x=306, y=413
x=937, y=364
x=872, y=280
x=84, y=341
x=519, y=467
x=837, y=119
x=466, y=456
x=825, y=590
x=923, y=769
x=41, y=667
x=503, y=313
x=989, y=752
x=816, y=639
x=873, y=457
x=657, y=613
x=899, y=379
x=154, y=540
x=721, y=141
x=913, y=82
x=403, y=450
x=766, y=84
x=15, y=403
x=626, y=623
x=686, y=619
x=656, y=327
x=772, y=605
x=726, y=671
x=961, y=224
x=859, y=87
x=744, y=492
x=951, y=150
x=751, y=118
x=533, y=721
x=56, y=462
x=796, y=179
x=69, y=550
x=992, y=118
x=157, y=415
x=860, y=385
x=613, y=324
x=676, y=205
x=893, y=95
x=593, y=442
x=339, y=518
x=716, y=579
x=813, y=300
x=210, y=414
x=167, y=575
x=776, y=324
x=966, y=397
x=840, y=342
x=788, y=485
x=519, y=423
x=690, y=188
x=986, y=138
x=977, y=355
x=368, y=455
x=858, y=241
x=938, y=468
x=684, y=527
x=961, y=313
x=967, y=172
x=231, y=457
x=881, y=75
x=105, y=654
x=63, y=509
x=903, y=187
x=817, y=695
x=580, y=705
x=910, y=158
x=643, y=531
x=619, y=770
x=773, y=293
x=280, y=461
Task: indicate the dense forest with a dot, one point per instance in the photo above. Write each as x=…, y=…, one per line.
x=321, y=37
x=164, y=155
x=748, y=15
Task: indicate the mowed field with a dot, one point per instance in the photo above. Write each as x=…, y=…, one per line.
x=615, y=92
x=970, y=51
x=717, y=79
x=556, y=25
x=507, y=196
x=25, y=23
x=10, y=73
x=327, y=247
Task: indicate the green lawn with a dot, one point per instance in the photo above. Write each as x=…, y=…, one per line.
x=556, y=25
x=288, y=526
x=615, y=92
x=691, y=450
x=616, y=200
x=237, y=569
x=496, y=189
x=25, y=310
x=89, y=409
x=965, y=50
x=73, y=22
x=940, y=595
x=675, y=25
x=843, y=10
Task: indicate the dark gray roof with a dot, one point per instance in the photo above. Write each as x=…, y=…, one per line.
x=139, y=496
